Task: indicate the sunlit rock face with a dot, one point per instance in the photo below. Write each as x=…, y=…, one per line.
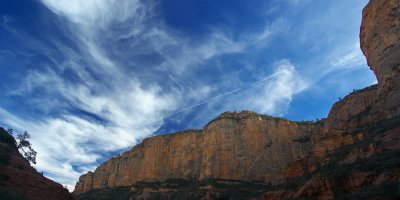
x=251, y=147
x=234, y=146
x=353, y=154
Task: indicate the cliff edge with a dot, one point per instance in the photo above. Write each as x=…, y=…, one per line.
x=242, y=146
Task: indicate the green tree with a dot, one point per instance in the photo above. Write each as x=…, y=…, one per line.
x=10, y=131
x=26, y=147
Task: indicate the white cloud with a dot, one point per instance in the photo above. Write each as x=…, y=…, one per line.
x=270, y=95
x=69, y=139
x=351, y=58
x=96, y=12
x=130, y=107
x=275, y=94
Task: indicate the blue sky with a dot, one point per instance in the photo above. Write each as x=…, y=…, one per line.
x=89, y=79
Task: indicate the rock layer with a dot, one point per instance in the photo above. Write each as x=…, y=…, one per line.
x=235, y=146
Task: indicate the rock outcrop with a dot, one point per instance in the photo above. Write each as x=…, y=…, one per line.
x=18, y=180
x=380, y=38
x=358, y=156
x=235, y=146
x=353, y=154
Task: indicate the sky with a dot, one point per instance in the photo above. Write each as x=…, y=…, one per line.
x=90, y=79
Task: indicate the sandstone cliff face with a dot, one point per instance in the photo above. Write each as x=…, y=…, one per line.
x=353, y=154
x=156, y=158
x=380, y=37
x=351, y=112
x=235, y=146
x=366, y=168
x=359, y=154
x=18, y=180
x=380, y=42
x=248, y=147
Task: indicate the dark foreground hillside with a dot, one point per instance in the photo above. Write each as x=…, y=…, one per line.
x=20, y=181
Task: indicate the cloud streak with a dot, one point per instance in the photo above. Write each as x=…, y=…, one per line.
x=351, y=58
x=277, y=90
x=95, y=99
x=277, y=94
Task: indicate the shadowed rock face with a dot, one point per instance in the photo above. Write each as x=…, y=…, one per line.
x=235, y=146
x=380, y=35
x=358, y=156
x=18, y=180
x=353, y=154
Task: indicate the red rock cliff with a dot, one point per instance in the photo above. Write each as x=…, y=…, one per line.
x=358, y=156
x=353, y=154
x=234, y=146
x=380, y=40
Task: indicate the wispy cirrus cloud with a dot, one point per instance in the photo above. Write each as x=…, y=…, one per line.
x=95, y=92
x=276, y=94
x=98, y=13
x=350, y=58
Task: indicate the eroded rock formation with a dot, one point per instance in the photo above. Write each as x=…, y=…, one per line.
x=380, y=38
x=359, y=154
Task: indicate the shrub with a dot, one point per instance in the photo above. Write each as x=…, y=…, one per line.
x=7, y=138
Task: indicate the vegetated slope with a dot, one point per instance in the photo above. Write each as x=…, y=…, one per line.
x=20, y=181
x=353, y=154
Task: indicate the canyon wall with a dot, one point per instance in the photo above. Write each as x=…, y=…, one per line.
x=358, y=156
x=379, y=39
x=353, y=154
x=234, y=146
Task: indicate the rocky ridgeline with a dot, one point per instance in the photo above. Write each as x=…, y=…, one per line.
x=353, y=154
